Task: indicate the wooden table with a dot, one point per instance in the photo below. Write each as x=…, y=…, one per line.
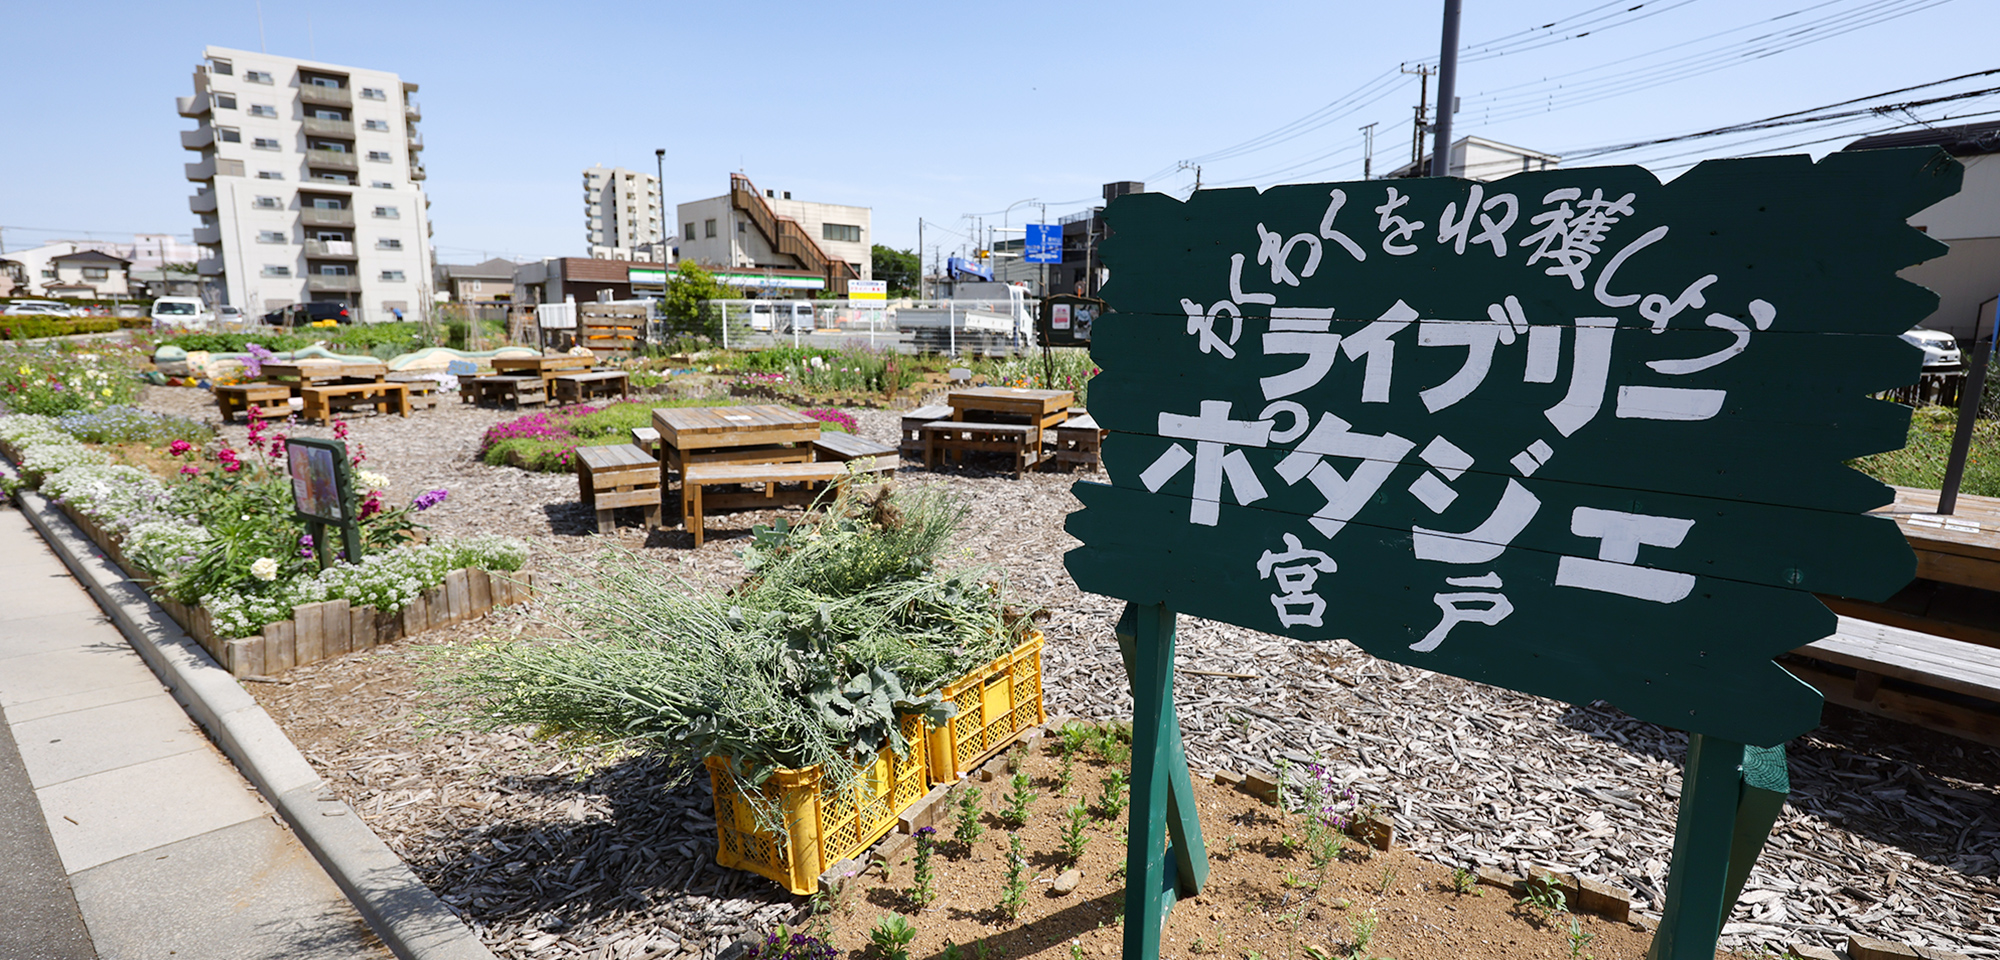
x=1961, y=551
x=1042, y=408
x=306, y=373
x=753, y=434
x=547, y=366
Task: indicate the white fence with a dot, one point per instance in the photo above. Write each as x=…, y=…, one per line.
x=950, y=327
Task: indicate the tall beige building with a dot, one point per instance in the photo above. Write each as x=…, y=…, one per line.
x=621, y=214
x=309, y=185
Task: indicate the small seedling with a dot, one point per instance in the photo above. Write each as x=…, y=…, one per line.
x=1015, y=894
x=1074, y=737
x=1067, y=772
x=1544, y=899
x=1362, y=929
x=1316, y=952
x=951, y=951
x=892, y=936
x=787, y=944
x=1015, y=757
x=1388, y=881
x=968, y=828
x=923, y=881
x=1578, y=938
x=1463, y=880
x=1072, y=835
x=1075, y=950
x=1111, y=795
x=1293, y=880
x=1015, y=814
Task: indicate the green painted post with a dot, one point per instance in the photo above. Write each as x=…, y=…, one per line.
x=1147, y=886
x=1765, y=785
x=1183, y=822
x=1703, y=836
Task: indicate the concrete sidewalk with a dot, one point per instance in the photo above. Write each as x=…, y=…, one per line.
x=123, y=831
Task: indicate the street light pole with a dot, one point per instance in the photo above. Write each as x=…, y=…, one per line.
x=1447, y=92
x=660, y=164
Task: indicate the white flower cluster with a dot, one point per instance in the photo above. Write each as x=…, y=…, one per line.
x=166, y=547
x=370, y=480
x=385, y=581
x=117, y=498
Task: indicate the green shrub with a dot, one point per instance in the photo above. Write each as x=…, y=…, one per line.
x=541, y=454
x=237, y=342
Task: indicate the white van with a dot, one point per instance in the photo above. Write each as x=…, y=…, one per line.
x=181, y=312
x=781, y=316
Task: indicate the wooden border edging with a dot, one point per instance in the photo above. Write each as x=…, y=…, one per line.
x=404, y=913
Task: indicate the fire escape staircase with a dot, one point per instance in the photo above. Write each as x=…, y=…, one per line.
x=789, y=237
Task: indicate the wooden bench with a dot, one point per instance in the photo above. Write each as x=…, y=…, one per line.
x=271, y=400
x=1079, y=442
x=956, y=438
x=836, y=447
x=515, y=391
x=697, y=476
x=913, y=427
x=1931, y=681
x=423, y=390
x=619, y=475
x=578, y=387
x=647, y=439
x=321, y=402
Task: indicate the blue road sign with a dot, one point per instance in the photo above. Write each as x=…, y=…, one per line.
x=1044, y=243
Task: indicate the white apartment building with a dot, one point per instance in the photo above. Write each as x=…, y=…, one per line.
x=621, y=214
x=751, y=229
x=309, y=185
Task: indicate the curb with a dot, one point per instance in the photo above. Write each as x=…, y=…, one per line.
x=405, y=914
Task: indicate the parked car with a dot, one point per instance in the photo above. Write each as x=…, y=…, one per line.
x=229, y=316
x=181, y=313
x=1940, y=349
x=47, y=308
x=302, y=314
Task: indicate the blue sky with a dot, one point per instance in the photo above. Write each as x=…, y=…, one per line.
x=941, y=110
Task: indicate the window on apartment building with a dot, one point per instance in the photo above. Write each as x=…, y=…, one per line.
x=370, y=93
x=333, y=178
x=329, y=203
x=220, y=66
x=265, y=143
x=272, y=236
x=270, y=175
x=327, y=115
x=688, y=229
x=388, y=243
x=266, y=203
x=392, y=276
x=332, y=270
x=228, y=134
x=225, y=101
x=381, y=185
x=381, y=125
x=379, y=156
x=708, y=229
x=742, y=227
x=848, y=232
x=263, y=110
x=97, y=273
x=48, y=273
x=256, y=76
x=275, y=270
x=388, y=213
x=331, y=146
x=328, y=82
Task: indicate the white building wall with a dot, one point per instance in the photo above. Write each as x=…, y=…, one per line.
x=621, y=213
x=1968, y=275
x=258, y=224
x=738, y=242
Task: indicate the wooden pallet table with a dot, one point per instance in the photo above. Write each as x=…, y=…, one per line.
x=514, y=391
x=954, y=439
x=913, y=427
x=1043, y=408
x=305, y=373
x=761, y=433
x=423, y=390
x=1080, y=442
x=1919, y=678
x=772, y=478
x=578, y=387
x=618, y=475
x=834, y=446
x=385, y=398
x=546, y=366
x=268, y=399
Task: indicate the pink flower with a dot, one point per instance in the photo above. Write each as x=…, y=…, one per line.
x=179, y=448
x=190, y=469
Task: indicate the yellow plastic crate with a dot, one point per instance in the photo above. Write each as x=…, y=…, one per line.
x=823, y=826
x=994, y=703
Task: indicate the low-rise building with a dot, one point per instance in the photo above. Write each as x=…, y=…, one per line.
x=770, y=232
x=585, y=279
x=1477, y=158
x=1969, y=222
x=89, y=274
x=489, y=282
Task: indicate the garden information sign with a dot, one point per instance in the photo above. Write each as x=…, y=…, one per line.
x=1576, y=433
x=322, y=492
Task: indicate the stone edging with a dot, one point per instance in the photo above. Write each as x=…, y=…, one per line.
x=409, y=918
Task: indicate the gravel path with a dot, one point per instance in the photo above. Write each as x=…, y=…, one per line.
x=1891, y=832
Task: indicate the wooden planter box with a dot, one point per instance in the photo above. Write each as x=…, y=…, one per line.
x=822, y=825
x=994, y=702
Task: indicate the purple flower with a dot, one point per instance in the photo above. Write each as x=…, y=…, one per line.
x=429, y=499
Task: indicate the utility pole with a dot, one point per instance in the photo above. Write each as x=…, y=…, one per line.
x=923, y=288
x=1447, y=91
x=1423, y=98
x=1368, y=152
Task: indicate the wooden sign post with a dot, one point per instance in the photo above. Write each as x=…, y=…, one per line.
x=1576, y=433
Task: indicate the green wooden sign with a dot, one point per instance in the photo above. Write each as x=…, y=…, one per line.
x=1576, y=433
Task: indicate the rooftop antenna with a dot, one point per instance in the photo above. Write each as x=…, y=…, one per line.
x=1368, y=152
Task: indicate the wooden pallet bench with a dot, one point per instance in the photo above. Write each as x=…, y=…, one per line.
x=423, y=390
x=514, y=391
x=321, y=402
x=695, y=477
x=618, y=475
x=578, y=387
x=956, y=438
x=1931, y=681
x=913, y=427
x=1080, y=442
x=270, y=400
x=836, y=447
x=647, y=439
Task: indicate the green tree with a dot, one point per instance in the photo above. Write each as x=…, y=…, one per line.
x=688, y=291
x=899, y=267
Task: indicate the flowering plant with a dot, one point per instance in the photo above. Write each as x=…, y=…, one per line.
x=64, y=379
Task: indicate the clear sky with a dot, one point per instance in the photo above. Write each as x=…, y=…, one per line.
x=939, y=110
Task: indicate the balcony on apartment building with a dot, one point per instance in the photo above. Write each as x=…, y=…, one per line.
x=208, y=234
x=333, y=160
x=343, y=129
x=202, y=202
x=195, y=106
x=314, y=95
x=412, y=110
x=332, y=283
x=211, y=167
x=319, y=217
x=417, y=171
x=197, y=139
x=209, y=266
x=330, y=250
x=416, y=140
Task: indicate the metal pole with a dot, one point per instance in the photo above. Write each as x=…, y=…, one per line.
x=1447, y=88
x=1969, y=393
x=660, y=164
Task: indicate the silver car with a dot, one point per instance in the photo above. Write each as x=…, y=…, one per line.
x=1940, y=349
